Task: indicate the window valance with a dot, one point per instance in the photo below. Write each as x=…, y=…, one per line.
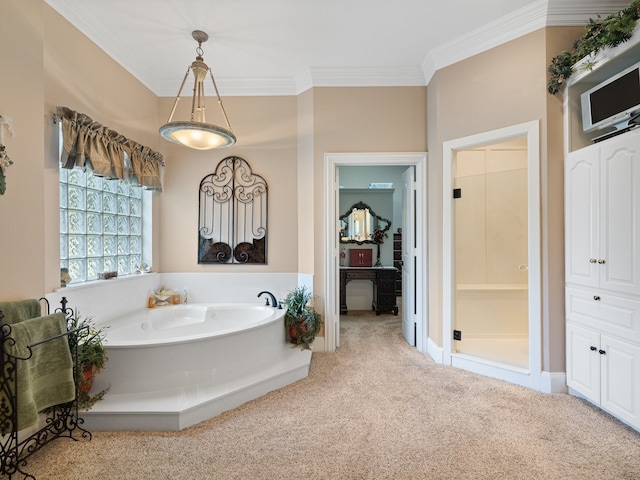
x=86, y=143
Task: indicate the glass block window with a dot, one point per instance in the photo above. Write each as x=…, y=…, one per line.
x=100, y=225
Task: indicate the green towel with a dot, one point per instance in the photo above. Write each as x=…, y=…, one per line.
x=45, y=379
x=18, y=311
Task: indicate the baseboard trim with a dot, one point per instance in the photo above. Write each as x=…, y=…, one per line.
x=553, y=382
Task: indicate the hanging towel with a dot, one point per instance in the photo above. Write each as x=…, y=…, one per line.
x=20, y=310
x=46, y=378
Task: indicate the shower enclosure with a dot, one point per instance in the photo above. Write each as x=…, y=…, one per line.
x=491, y=294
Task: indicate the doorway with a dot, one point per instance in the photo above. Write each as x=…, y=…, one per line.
x=333, y=249
x=491, y=254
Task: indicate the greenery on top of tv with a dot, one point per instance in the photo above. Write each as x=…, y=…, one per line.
x=601, y=33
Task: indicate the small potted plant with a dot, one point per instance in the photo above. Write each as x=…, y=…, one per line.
x=301, y=320
x=90, y=359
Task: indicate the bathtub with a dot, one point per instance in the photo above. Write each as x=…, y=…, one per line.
x=171, y=367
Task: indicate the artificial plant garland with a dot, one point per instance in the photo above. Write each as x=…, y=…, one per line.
x=600, y=33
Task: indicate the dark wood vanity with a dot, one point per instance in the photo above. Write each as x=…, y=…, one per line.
x=384, y=287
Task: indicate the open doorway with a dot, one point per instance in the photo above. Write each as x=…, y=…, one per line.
x=416, y=163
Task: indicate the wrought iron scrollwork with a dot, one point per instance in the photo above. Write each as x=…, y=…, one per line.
x=60, y=421
x=233, y=215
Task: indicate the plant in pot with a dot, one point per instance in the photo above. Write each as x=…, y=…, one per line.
x=90, y=358
x=301, y=320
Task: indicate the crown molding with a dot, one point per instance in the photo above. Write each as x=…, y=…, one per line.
x=539, y=14
x=360, y=77
x=572, y=13
x=491, y=35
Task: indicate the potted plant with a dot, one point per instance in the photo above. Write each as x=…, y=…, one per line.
x=90, y=358
x=301, y=320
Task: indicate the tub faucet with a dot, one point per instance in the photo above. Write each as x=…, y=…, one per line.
x=274, y=302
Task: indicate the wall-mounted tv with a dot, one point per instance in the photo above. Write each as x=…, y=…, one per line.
x=612, y=103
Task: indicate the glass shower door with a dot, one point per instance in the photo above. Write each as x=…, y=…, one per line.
x=491, y=252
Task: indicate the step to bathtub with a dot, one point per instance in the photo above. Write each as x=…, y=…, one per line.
x=173, y=410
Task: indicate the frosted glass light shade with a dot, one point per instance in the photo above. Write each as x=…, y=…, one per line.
x=197, y=135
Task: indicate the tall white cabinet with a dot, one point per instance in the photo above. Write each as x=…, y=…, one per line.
x=602, y=268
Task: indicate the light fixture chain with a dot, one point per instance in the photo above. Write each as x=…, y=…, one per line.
x=224, y=113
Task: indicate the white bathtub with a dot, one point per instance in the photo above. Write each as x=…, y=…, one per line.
x=171, y=367
x=186, y=323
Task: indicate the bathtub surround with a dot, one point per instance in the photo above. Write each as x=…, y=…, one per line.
x=172, y=367
x=374, y=409
x=127, y=406
x=106, y=300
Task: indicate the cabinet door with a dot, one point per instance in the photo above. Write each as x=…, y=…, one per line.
x=620, y=376
x=581, y=215
x=620, y=214
x=583, y=361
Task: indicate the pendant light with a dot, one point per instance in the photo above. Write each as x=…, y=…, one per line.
x=197, y=133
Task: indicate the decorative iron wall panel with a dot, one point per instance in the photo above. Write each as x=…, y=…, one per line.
x=233, y=215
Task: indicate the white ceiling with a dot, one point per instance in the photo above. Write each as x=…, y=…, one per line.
x=267, y=47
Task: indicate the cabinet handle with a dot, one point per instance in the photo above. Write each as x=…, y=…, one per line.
x=592, y=348
x=601, y=261
x=602, y=352
x=596, y=297
x=592, y=260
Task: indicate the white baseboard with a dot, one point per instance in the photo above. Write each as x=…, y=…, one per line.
x=435, y=352
x=553, y=382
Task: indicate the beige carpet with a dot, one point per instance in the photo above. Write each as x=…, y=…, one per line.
x=375, y=409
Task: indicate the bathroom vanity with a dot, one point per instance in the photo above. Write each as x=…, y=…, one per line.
x=384, y=287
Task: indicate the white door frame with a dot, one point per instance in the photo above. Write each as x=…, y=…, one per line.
x=332, y=251
x=530, y=377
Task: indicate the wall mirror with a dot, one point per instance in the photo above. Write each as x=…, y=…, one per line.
x=358, y=224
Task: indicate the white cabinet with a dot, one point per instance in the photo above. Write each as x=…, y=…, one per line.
x=602, y=215
x=602, y=274
x=605, y=370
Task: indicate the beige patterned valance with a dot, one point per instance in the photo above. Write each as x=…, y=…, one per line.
x=90, y=144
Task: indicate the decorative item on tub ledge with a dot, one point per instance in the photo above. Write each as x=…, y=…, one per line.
x=301, y=320
x=162, y=297
x=5, y=161
x=196, y=133
x=107, y=275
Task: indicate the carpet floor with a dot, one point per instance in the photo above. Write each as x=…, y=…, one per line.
x=374, y=409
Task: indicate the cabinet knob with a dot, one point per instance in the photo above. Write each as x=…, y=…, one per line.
x=592, y=260
x=596, y=297
x=602, y=352
x=592, y=348
x=601, y=261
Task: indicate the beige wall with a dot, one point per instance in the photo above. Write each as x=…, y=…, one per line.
x=22, y=209
x=266, y=130
x=47, y=62
x=375, y=119
x=79, y=75
x=498, y=88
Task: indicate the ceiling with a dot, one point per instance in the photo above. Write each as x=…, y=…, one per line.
x=283, y=47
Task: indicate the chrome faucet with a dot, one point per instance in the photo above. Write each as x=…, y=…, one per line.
x=274, y=302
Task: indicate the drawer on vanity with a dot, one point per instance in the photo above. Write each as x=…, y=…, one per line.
x=615, y=315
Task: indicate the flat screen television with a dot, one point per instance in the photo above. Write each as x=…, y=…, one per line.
x=612, y=103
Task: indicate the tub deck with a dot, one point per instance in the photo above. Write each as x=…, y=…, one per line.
x=172, y=410
x=166, y=384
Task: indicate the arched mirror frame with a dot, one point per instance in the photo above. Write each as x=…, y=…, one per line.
x=377, y=220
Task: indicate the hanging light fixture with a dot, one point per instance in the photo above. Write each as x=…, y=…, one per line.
x=197, y=133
